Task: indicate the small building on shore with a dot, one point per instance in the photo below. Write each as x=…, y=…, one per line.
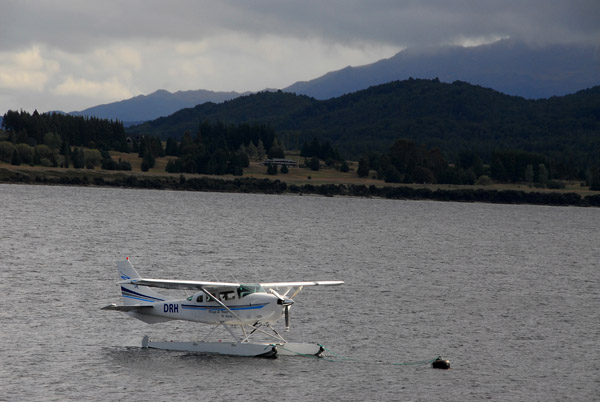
x=281, y=162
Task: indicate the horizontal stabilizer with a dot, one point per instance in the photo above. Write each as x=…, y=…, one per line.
x=131, y=307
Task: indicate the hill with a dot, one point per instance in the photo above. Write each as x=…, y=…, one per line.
x=159, y=103
x=507, y=66
x=453, y=117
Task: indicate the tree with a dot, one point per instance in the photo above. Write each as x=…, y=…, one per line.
x=284, y=169
x=123, y=165
x=16, y=159
x=392, y=175
x=171, y=147
x=260, y=151
x=108, y=164
x=245, y=160
x=92, y=157
x=66, y=152
x=594, y=180
x=498, y=171
x=276, y=152
x=344, y=167
x=149, y=159
x=315, y=163
x=470, y=160
x=423, y=175
x=234, y=165
x=542, y=174
x=45, y=156
x=6, y=151
x=52, y=140
x=363, y=168
x=173, y=166
x=271, y=169
x=529, y=174
x=251, y=150
x=26, y=153
x=78, y=158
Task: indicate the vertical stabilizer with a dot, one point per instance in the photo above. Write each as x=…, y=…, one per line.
x=134, y=294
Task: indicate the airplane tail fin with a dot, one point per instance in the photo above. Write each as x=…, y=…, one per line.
x=134, y=294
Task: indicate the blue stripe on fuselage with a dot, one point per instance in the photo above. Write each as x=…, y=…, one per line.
x=248, y=307
x=130, y=294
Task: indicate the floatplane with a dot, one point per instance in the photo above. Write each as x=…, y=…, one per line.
x=253, y=308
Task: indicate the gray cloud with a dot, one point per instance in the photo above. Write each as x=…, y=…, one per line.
x=73, y=25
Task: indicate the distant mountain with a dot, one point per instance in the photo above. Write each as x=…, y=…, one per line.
x=159, y=103
x=453, y=117
x=507, y=66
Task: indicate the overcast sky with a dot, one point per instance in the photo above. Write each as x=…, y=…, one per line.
x=71, y=54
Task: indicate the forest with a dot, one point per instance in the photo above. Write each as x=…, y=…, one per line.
x=56, y=139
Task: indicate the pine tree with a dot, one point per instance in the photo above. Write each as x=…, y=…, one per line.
x=260, y=151
x=16, y=159
x=251, y=150
x=363, y=168
x=271, y=169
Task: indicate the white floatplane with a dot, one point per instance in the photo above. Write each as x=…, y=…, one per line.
x=251, y=307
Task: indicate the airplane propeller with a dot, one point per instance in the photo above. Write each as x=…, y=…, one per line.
x=286, y=303
x=287, y=317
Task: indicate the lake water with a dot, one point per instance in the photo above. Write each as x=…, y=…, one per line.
x=508, y=293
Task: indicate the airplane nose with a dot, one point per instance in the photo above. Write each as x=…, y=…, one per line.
x=285, y=302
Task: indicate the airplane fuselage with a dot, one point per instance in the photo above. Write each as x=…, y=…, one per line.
x=249, y=309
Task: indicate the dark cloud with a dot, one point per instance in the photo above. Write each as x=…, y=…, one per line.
x=73, y=25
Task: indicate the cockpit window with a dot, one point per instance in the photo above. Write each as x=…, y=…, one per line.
x=228, y=295
x=200, y=299
x=248, y=289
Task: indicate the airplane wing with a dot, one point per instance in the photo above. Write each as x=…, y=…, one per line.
x=270, y=285
x=130, y=307
x=199, y=285
x=177, y=284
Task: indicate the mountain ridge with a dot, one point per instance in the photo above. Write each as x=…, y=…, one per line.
x=453, y=117
x=156, y=104
x=508, y=66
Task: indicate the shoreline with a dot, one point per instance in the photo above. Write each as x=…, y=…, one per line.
x=93, y=178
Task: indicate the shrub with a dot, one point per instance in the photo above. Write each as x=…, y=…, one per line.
x=109, y=164
x=92, y=157
x=6, y=151
x=123, y=165
x=484, y=180
x=556, y=185
x=26, y=153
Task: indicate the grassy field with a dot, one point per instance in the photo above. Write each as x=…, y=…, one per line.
x=298, y=176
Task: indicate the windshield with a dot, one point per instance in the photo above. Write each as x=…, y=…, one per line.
x=247, y=289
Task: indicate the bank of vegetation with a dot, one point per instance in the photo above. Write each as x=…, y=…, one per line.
x=276, y=186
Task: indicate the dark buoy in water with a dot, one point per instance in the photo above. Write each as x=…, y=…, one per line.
x=440, y=363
